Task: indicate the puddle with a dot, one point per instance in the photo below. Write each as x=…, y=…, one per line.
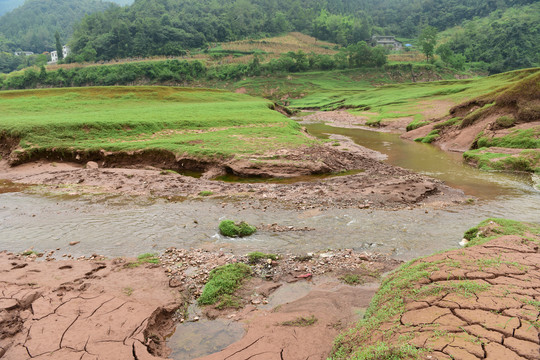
x=195, y=339
x=287, y=293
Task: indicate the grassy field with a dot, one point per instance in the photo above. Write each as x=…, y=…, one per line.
x=402, y=99
x=207, y=123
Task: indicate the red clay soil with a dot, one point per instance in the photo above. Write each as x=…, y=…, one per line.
x=498, y=317
x=287, y=332
x=82, y=309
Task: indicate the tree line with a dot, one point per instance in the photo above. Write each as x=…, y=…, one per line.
x=183, y=71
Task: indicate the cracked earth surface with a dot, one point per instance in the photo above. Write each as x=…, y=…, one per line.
x=80, y=310
x=482, y=302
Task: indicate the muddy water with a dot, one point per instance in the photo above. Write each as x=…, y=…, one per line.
x=196, y=339
x=429, y=160
x=124, y=226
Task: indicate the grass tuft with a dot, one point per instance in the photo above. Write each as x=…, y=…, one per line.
x=222, y=282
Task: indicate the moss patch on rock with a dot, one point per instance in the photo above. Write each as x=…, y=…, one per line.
x=231, y=229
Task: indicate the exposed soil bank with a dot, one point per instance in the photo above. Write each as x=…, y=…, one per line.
x=82, y=309
x=379, y=185
x=478, y=303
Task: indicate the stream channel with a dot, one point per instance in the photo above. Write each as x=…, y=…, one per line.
x=128, y=226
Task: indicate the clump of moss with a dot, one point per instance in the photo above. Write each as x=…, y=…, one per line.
x=505, y=122
x=350, y=279
x=415, y=124
x=429, y=138
x=301, y=321
x=450, y=122
x=255, y=256
x=206, y=193
x=223, y=281
x=231, y=229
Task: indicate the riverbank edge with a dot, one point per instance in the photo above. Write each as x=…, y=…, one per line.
x=442, y=306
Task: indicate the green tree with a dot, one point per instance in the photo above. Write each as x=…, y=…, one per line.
x=428, y=40
x=58, y=46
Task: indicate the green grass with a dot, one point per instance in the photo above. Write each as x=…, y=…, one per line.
x=146, y=258
x=526, y=160
x=231, y=229
x=256, y=256
x=517, y=139
x=429, y=138
x=450, y=122
x=206, y=193
x=499, y=227
x=196, y=122
x=350, y=279
x=223, y=281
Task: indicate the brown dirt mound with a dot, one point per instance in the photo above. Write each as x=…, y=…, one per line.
x=481, y=302
x=377, y=185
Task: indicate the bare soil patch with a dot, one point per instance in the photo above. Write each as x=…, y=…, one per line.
x=379, y=185
x=82, y=309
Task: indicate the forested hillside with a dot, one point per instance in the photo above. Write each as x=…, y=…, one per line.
x=169, y=27
x=8, y=5
x=505, y=40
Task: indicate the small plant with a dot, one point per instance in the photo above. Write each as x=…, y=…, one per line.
x=229, y=302
x=147, y=258
x=301, y=321
x=231, y=229
x=29, y=252
x=350, y=279
x=254, y=257
x=505, y=122
x=206, y=193
x=168, y=172
x=222, y=281
x=128, y=290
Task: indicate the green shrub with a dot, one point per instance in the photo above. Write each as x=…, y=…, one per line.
x=222, y=282
x=231, y=229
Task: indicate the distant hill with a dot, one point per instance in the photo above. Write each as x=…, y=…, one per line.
x=8, y=5
x=32, y=26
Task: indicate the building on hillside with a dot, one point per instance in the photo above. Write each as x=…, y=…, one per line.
x=389, y=42
x=25, y=53
x=54, y=54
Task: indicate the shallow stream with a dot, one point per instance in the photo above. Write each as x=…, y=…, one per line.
x=125, y=226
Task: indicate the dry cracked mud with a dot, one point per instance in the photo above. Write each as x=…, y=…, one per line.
x=82, y=309
x=481, y=302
